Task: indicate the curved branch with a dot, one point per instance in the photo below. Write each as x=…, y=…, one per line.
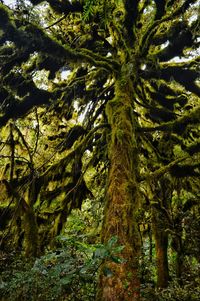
x=33, y=39
x=85, y=143
x=161, y=171
x=180, y=73
x=151, y=30
x=177, y=126
x=56, y=22
x=17, y=109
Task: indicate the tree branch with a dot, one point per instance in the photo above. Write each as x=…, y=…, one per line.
x=161, y=171
x=177, y=126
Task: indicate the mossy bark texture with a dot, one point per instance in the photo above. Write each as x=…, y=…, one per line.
x=30, y=226
x=30, y=234
x=161, y=246
x=122, y=199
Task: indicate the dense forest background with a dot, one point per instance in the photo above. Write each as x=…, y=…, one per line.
x=99, y=150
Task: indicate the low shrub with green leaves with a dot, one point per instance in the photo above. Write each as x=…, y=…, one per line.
x=177, y=293
x=68, y=273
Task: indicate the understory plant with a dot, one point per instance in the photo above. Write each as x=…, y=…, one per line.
x=67, y=273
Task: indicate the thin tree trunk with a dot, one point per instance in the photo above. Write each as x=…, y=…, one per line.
x=179, y=256
x=122, y=199
x=31, y=243
x=30, y=233
x=179, y=266
x=161, y=246
x=150, y=244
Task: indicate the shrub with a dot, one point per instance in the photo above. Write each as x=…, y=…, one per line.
x=67, y=273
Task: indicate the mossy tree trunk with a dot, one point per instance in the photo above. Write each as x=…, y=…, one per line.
x=161, y=221
x=31, y=246
x=150, y=244
x=161, y=246
x=122, y=199
x=179, y=265
x=177, y=246
x=30, y=233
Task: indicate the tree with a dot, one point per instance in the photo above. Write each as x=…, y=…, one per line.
x=134, y=94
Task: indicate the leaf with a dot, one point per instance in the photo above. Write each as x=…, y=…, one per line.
x=116, y=259
x=112, y=241
x=66, y=280
x=107, y=272
x=87, y=276
x=118, y=249
x=88, y=9
x=101, y=253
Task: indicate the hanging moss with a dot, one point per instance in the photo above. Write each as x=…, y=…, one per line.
x=121, y=75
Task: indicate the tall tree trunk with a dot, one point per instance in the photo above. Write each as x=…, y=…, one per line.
x=31, y=243
x=177, y=245
x=161, y=246
x=150, y=244
x=161, y=194
x=30, y=233
x=122, y=199
x=179, y=265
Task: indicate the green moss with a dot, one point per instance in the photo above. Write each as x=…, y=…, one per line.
x=120, y=117
x=122, y=192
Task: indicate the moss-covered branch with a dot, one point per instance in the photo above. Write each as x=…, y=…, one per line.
x=177, y=126
x=161, y=171
x=180, y=73
x=170, y=14
x=79, y=147
x=33, y=38
x=18, y=109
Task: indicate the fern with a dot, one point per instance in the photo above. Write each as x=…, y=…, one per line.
x=88, y=9
x=105, y=9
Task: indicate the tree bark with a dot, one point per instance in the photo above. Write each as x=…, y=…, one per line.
x=30, y=233
x=161, y=246
x=31, y=242
x=121, y=200
x=177, y=246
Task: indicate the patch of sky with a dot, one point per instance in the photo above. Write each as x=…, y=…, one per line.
x=40, y=79
x=13, y=3
x=65, y=74
x=10, y=2
x=143, y=66
x=83, y=114
x=164, y=45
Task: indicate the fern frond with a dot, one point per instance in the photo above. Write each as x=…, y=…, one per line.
x=88, y=9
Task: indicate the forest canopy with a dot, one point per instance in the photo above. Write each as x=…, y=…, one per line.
x=99, y=114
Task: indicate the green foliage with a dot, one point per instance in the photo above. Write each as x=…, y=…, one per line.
x=86, y=223
x=173, y=293
x=67, y=273
x=189, y=290
x=177, y=293
x=88, y=9
x=56, y=156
